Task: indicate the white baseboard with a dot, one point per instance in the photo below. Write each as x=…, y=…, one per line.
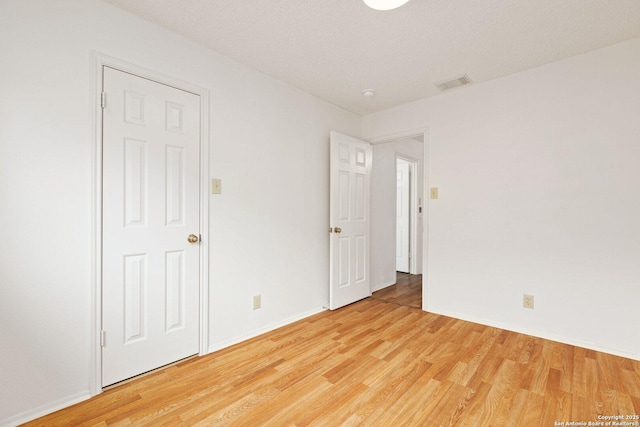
x=383, y=285
x=263, y=330
x=43, y=410
x=535, y=333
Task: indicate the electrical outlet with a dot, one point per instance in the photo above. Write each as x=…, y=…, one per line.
x=257, y=302
x=527, y=301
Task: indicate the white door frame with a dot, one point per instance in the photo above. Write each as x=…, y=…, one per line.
x=98, y=61
x=413, y=209
x=412, y=133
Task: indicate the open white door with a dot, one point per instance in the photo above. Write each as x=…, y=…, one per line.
x=350, y=225
x=151, y=175
x=403, y=193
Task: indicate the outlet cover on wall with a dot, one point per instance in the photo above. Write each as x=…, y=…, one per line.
x=527, y=301
x=257, y=302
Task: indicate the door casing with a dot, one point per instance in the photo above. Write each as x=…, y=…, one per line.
x=409, y=214
x=98, y=61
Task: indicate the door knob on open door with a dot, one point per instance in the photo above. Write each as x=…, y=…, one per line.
x=338, y=230
x=193, y=238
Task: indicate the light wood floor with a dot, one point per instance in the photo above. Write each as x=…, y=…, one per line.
x=407, y=291
x=375, y=363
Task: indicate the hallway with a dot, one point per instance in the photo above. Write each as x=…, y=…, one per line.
x=407, y=291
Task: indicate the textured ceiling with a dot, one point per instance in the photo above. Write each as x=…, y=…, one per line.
x=335, y=49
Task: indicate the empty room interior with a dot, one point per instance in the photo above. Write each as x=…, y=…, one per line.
x=377, y=212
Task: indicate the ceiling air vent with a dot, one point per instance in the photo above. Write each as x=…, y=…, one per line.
x=453, y=83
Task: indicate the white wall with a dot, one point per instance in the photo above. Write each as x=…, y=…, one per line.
x=538, y=178
x=383, y=209
x=268, y=144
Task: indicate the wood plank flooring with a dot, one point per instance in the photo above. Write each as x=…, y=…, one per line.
x=374, y=363
x=407, y=291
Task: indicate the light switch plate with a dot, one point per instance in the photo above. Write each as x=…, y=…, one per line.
x=216, y=186
x=434, y=192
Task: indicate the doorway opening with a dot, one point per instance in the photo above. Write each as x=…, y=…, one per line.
x=407, y=291
x=397, y=217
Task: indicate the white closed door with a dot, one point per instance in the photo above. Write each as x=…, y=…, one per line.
x=151, y=175
x=403, y=180
x=350, y=246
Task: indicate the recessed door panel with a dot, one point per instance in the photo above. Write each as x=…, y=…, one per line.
x=344, y=198
x=135, y=283
x=135, y=182
x=134, y=108
x=360, y=197
x=174, y=117
x=361, y=259
x=175, y=289
x=344, y=257
x=361, y=157
x=175, y=181
x=344, y=154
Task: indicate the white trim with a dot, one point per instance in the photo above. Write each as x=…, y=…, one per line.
x=96, y=224
x=535, y=333
x=236, y=340
x=99, y=61
x=204, y=222
x=399, y=135
x=46, y=409
x=425, y=221
x=413, y=208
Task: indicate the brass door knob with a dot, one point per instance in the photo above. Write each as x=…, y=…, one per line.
x=338, y=230
x=192, y=238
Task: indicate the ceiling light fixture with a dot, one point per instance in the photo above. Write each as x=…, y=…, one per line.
x=369, y=93
x=384, y=4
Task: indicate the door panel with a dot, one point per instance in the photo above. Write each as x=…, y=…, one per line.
x=350, y=220
x=150, y=283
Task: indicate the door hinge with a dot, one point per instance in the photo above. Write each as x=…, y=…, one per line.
x=103, y=99
x=103, y=338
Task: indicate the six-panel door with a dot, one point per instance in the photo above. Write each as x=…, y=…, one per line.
x=150, y=301
x=350, y=220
